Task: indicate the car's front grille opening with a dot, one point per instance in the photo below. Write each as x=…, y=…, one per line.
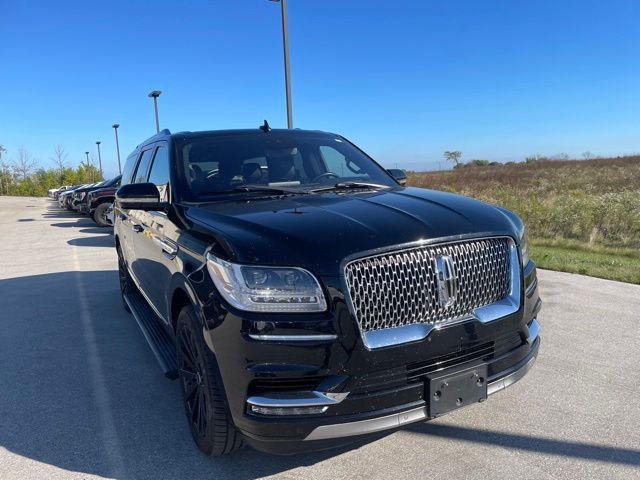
x=402, y=287
x=281, y=385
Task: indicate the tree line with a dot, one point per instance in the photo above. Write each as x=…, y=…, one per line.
x=455, y=156
x=23, y=175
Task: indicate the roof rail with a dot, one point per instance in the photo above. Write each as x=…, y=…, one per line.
x=161, y=133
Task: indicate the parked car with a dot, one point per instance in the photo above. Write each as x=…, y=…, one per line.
x=79, y=201
x=65, y=197
x=304, y=297
x=58, y=191
x=99, y=202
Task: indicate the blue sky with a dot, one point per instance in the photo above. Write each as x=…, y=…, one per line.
x=406, y=80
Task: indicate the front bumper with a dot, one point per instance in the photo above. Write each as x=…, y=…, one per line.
x=347, y=429
x=396, y=420
x=385, y=388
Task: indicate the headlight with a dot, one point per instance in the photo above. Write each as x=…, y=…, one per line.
x=524, y=249
x=266, y=289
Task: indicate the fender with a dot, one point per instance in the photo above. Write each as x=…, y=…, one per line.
x=179, y=281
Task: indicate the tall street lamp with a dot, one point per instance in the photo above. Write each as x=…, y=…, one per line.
x=88, y=162
x=115, y=128
x=155, y=94
x=287, y=73
x=98, y=142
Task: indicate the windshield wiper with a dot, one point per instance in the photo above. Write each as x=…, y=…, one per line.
x=257, y=189
x=349, y=185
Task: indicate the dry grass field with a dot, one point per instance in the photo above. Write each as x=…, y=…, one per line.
x=582, y=216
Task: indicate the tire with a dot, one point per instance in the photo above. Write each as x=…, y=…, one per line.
x=100, y=215
x=124, y=278
x=207, y=414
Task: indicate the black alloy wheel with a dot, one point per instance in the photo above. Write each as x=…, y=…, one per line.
x=191, y=376
x=100, y=215
x=207, y=414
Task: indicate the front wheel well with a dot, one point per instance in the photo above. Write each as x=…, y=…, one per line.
x=106, y=200
x=179, y=300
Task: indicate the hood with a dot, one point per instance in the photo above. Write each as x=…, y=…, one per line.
x=319, y=231
x=89, y=188
x=104, y=191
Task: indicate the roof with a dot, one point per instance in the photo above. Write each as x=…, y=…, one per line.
x=163, y=134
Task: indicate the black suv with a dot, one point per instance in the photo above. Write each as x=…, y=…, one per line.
x=305, y=298
x=79, y=201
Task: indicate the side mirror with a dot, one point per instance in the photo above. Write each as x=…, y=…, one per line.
x=399, y=175
x=138, y=196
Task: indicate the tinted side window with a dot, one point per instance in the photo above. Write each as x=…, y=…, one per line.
x=160, y=173
x=143, y=167
x=129, y=166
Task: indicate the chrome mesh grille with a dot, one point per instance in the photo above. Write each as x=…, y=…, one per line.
x=400, y=288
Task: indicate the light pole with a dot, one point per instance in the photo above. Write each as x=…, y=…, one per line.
x=88, y=163
x=155, y=94
x=98, y=142
x=115, y=128
x=287, y=73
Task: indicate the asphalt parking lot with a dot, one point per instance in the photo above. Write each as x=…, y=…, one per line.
x=81, y=394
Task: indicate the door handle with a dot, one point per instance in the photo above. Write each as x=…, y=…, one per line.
x=137, y=228
x=167, y=246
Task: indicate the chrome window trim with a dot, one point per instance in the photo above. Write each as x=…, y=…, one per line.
x=409, y=333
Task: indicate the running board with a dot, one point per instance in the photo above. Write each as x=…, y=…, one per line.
x=161, y=343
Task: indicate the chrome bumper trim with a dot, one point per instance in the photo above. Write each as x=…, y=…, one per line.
x=534, y=330
x=297, y=399
x=410, y=416
x=508, y=380
x=294, y=338
x=371, y=425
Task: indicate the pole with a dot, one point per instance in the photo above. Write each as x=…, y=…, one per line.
x=155, y=106
x=287, y=72
x=155, y=94
x=88, y=163
x=115, y=128
x=99, y=157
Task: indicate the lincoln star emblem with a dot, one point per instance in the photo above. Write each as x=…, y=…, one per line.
x=447, y=280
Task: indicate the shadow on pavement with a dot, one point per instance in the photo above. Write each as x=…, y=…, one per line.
x=97, y=230
x=76, y=223
x=101, y=241
x=546, y=446
x=82, y=391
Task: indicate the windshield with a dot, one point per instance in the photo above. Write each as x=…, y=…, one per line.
x=114, y=182
x=294, y=161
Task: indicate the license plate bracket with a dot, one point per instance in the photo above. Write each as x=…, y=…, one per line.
x=452, y=389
